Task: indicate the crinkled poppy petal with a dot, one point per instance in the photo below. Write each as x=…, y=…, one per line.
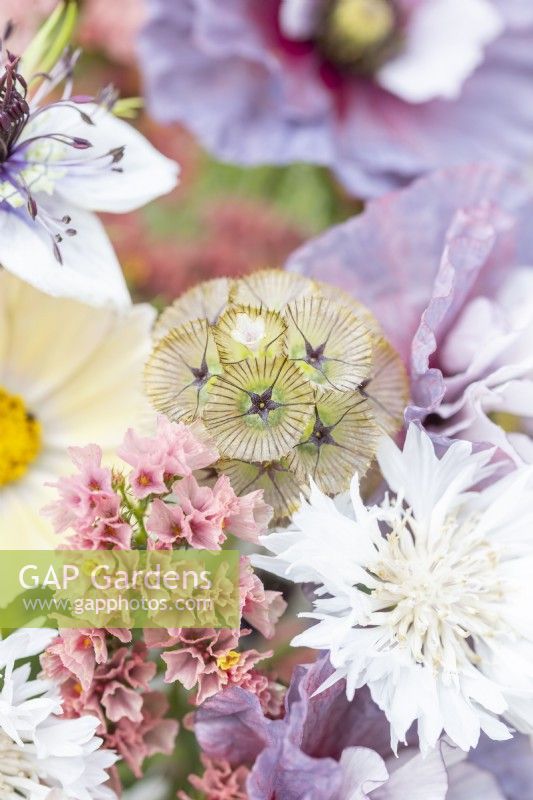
x=207, y=300
x=265, y=334
x=339, y=440
x=273, y=288
x=388, y=387
x=280, y=487
x=331, y=345
x=179, y=370
x=258, y=409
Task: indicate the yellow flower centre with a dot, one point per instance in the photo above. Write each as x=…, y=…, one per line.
x=358, y=30
x=228, y=660
x=20, y=438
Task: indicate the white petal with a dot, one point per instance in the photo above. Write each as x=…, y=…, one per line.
x=445, y=44
x=144, y=173
x=90, y=271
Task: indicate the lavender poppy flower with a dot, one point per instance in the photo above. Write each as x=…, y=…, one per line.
x=59, y=161
x=326, y=748
x=447, y=267
x=381, y=91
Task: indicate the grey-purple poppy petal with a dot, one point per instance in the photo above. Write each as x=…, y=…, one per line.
x=327, y=723
x=224, y=69
x=511, y=764
x=283, y=772
x=415, y=256
x=418, y=779
x=469, y=782
x=231, y=726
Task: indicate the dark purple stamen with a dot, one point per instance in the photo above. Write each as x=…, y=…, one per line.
x=15, y=155
x=14, y=110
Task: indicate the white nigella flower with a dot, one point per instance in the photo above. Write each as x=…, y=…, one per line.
x=41, y=754
x=427, y=597
x=59, y=162
x=69, y=375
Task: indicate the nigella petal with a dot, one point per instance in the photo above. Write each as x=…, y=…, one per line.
x=100, y=178
x=89, y=271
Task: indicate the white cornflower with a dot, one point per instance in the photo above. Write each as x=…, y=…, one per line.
x=69, y=375
x=59, y=162
x=427, y=597
x=41, y=754
x=24, y=703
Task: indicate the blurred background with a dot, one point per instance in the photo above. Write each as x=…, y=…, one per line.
x=221, y=220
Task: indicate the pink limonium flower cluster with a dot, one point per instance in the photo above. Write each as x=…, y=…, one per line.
x=98, y=675
x=159, y=503
x=158, y=500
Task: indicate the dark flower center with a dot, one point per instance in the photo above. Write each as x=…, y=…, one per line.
x=315, y=355
x=14, y=110
x=321, y=433
x=360, y=35
x=262, y=404
x=200, y=374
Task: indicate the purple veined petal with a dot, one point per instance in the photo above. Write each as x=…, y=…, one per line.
x=284, y=771
x=470, y=241
x=388, y=256
x=231, y=726
x=329, y=722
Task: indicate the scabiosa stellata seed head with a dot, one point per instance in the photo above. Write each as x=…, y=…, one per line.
x=288, y=380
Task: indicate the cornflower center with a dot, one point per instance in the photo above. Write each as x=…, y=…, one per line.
x=360, y=34
x=438, y=593
x=20, y=438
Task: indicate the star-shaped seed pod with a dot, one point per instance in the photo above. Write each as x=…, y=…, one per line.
x=258, y=409
x=179, y=371
x=270, y=288
x=329, y=343
x=207, y=300
x=340, y=297
x=387, y=388
x=339, y=441
x=292, y=378
x=245, y=332
x=279, y=484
